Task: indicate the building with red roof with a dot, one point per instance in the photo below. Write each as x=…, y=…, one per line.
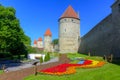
x=40, y=43
x=69, y=13
x=48, y=41
x=47, y=44
x=69, y=31
x=48, y=32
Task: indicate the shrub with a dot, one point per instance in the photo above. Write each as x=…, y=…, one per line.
x=47, y=57
x=5, y=55
x=41, y=59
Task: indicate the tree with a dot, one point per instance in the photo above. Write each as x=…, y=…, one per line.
x=55, y=41
x=12, y=37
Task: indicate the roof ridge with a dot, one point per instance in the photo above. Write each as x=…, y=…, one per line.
x=48, y=32
x=69, y=12
x=35, y=41
x=40, y=39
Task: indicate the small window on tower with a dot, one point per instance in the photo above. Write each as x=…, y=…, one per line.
x=73, y=20
x=65, y=30
x=119, y=7
x=65, y=19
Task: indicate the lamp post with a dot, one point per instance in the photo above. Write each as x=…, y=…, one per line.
x=35, y=68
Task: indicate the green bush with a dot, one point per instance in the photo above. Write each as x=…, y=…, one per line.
x=5, y=55
x=41, y=59
x=47, y=57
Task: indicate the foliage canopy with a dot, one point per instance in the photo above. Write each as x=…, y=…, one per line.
x=12, y=36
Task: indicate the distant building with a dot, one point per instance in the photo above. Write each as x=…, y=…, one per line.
x=40, y=43
x=47, y=44
x=35, y=43
x=48, y=41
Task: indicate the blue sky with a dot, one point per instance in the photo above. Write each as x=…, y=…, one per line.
x=36, y=16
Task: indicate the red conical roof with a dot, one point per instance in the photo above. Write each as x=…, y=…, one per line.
x=35, y=42
x=48, y=33
x=40, y=39
x=69, y=13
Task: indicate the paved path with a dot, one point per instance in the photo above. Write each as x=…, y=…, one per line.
x=19, y=66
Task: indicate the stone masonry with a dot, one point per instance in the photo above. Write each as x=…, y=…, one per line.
x=69, y=31
x=104, y=38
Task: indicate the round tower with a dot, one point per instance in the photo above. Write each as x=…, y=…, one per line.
x=47, y=41
x=35, y=43
x=40, y=43
x=69, y=31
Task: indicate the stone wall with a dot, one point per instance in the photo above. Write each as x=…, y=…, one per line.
x=100, y=39
x=69, y=32
x=104, y=38
x=17, y=75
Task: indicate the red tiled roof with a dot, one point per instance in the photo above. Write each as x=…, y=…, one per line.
x=69, y=12
x=40, y=39
x=35, y=42
x=48, y=33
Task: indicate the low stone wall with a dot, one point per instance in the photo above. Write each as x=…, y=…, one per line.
x=17, y=75
x=21, y=74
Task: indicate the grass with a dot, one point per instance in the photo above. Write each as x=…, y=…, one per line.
x=1, y=71
x=107, y=72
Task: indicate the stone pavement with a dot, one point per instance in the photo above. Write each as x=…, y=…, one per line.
x=19, y=66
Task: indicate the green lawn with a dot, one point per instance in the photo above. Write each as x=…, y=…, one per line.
x=107, y=72
x=1, y=71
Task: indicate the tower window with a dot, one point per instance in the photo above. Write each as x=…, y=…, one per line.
x=119, y=7
x=65, y=30
x=72, y=20
x=65, y=19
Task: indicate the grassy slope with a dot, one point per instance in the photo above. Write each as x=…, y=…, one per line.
x=107, y=72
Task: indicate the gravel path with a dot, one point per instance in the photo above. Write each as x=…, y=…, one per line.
x=19, y=66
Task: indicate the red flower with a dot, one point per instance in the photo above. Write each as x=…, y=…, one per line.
x=69, y=68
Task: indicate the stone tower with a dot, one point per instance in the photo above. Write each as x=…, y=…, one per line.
x=40, y=43
x=47, y=41
x=35, y=43
x=69, y=31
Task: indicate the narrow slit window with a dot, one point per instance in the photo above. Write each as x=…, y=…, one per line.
x=119, y=7
x=65, y=19
x=65, y=30
x=72, y=20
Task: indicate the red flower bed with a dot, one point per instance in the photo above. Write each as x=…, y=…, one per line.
x=70, y=68
x=63, y=67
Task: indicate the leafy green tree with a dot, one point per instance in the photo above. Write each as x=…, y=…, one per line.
x=12, y=37
x=26, y=40
x=31, y=49
x=55, y=41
